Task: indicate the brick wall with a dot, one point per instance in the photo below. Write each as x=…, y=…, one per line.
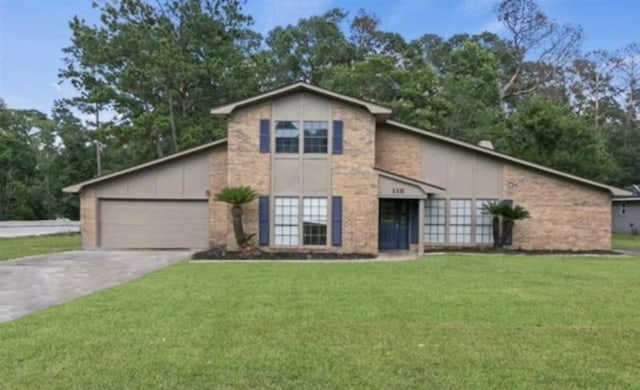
x=354, y=179
x=219, y=212
x=246, y=165
x=399, y=152
x=564, y=215
x=88, y=218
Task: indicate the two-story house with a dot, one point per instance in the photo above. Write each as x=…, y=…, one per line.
x=335, y=173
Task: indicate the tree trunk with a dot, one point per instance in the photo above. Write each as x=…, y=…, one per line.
x=238, y=231
x=172, y=121
x=507, y=228
x=496, y=232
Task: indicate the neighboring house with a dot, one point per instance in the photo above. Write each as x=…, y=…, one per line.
x=337, y=174
x=626, y=212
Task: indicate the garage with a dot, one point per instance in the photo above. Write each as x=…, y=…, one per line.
x=153, y=224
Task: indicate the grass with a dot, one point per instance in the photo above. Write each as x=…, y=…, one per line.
x=626, y=241
x=12, y=248
x=454, y=321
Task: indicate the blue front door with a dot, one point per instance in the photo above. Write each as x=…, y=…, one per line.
x=394, y=224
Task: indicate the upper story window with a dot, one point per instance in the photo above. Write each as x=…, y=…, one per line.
x=316, y=135
x=287, y=137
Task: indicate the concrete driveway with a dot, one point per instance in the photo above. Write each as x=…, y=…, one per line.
x=34, y=283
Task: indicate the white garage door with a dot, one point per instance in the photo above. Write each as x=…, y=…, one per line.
x=153, y=224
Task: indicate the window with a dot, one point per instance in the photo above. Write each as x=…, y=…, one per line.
x=460, y=221
x=435, y=221
x=287, y=137
x=623, y=208
x=484, y=223
x=316, y=134
x=286, y=221
x=314, y=221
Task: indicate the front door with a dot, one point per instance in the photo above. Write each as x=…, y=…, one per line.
x=394, y=224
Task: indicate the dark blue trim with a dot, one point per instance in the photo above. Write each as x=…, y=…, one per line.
x=265, y=135
x=263, y=224
x=336, y=221
x=414, y=221
x=337, y=137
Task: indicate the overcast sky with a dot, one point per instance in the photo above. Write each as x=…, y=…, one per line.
x=33, y=32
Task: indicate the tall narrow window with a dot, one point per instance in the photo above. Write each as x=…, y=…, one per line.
x=460, y=221
x=287, y=137
x=435, y=221
x=484, y=223
x=314, y=221
x=316, y=135
x=286, y=221
x=623, y=208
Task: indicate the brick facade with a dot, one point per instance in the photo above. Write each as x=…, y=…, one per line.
x=246, y=166
x=89, y=218
x=354, y=179
x=564, y=215
x=399, y=152
x=219, y=212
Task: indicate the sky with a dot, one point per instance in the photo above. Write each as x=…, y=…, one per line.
x=34, y=32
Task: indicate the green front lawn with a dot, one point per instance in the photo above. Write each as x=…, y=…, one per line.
x=625, y=241
x=12, y=248
x=442, y=322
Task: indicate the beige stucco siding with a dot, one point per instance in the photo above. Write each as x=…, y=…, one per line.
x=463, y=173
x=186, y=178
x=564, y=215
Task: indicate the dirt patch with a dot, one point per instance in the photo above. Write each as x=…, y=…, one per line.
x=223, y=254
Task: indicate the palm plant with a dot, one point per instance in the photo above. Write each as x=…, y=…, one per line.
x=237, y=197
x=510, y=214
x=495, y=209
x=507, y=213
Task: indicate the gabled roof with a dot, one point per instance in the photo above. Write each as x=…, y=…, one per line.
x=613, y=190
x=373, y=108
x=77, y=187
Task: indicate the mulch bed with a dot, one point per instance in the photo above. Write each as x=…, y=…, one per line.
x=223, y=254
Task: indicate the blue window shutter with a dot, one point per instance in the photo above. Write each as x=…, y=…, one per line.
x=509, y=240
x=265, y=135
x=263, y=214
x=414, y=221
x=337, y=137
x=336, y=221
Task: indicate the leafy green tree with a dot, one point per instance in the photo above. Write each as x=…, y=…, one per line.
x=237, y=197
x=544, y=132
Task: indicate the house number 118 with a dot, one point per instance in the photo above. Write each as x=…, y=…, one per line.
x=397, y=190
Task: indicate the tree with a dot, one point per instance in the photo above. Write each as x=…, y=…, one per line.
x=535, y=39
x=237, y=197
x=305, y=51
x=544, y=132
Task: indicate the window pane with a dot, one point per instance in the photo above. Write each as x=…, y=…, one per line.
x=314, y=221
x=316, y=136
x=484, y=223
x=460, y=221
x=434, y=218
x=286, y=221
x=287, y=136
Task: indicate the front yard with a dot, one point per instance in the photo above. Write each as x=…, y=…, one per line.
x=473, y=321
x=625, y=241
x=11, y=248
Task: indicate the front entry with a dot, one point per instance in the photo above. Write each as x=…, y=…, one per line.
x=394, y=224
